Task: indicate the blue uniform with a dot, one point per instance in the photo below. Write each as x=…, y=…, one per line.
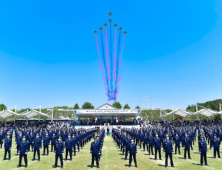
x=8, y=145
x=23, y=150
x=59, y=147
x=168, y=149
x=69, y=148
x=133, y=151
x=203, y=151
x=94, y=150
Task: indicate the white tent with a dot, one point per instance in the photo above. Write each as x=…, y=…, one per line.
x=7, y=113
x=206, y=112
x=179, y=112
x=33, y=113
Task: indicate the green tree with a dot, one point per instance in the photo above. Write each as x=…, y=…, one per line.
x=2, y=107
x=117, y=105
x=87, y=105
x=137, y=107
x=126, y=106
x=76, y=106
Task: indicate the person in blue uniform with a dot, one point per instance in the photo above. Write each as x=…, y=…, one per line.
x=203, y=151
x=53, y=143
x=127, y=146
x=69, y=147
x=94, y=150
x=37, y=146
x=46, y=141
x=177, y=143
x=133, y=152
x=216, y=146
x=108, y=131
x=59, y=148
x=31, y=140
x=186, y=145
x=1, y=139
x=157, y=145
x=168, y=149
x=23, y=150
x=151, y=143
x=8, y=145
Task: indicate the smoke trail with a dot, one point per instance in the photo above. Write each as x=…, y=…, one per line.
x=117, y=64
x=106, y=74
x=107, y=61
x=122, y=51
x=111, y=61
x=100, y=62
x=114, y=70
x=120, y=61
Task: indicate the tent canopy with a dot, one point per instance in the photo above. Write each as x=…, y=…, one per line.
x=179, y=112
x=206, y=112
x=7, y=113
x=33, y=113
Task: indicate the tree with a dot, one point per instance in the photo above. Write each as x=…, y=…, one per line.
x=117, y=105
x=87, y=105
x=76, y=106
x=126, y=106
x=137, y=107
x=2, y=107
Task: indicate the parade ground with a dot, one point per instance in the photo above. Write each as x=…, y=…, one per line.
x=112, y=159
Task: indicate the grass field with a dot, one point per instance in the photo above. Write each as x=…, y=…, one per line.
x=112, y=159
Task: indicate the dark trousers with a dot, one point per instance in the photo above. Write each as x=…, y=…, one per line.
x=140, y=144
x=203, y=156
x=107, y=132
x=177, y=147
x=126, y=153
x=9, y=153
x=46, y=148
x=70, y=153
x=52, y=147
x=56, y=159
x=171, y=159
x=38, y=153
x=95, y=157
x=151, y=148
x=25, y=158
x=78, y=146
x=18, y=146
x=185, y=151
x=30, y=145
x=216, y=151
x=137, y=142
x=157, y=150
x=134, y=158
x=74, y=149
x=145, y=146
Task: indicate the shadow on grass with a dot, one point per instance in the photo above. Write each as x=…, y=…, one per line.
x=196, y=164
x=161, y=165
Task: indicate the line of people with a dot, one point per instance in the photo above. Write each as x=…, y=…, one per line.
x=96, y=147
x=152, y=139
x=33, y=139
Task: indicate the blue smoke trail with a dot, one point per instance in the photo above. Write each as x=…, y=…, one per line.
x=104, y=63
x=111, y=62
x=117, y=64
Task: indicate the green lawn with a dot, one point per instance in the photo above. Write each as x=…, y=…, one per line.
x=112, y=160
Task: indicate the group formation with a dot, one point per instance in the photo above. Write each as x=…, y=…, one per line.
x=34, y=139
x=164, y=136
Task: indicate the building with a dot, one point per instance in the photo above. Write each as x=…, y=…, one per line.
x=106, y=114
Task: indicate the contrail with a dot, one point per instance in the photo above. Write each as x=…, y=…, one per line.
x=106, y=74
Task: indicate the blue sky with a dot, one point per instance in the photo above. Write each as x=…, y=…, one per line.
x=49, y=57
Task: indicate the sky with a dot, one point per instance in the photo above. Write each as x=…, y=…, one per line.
x=49, y=57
